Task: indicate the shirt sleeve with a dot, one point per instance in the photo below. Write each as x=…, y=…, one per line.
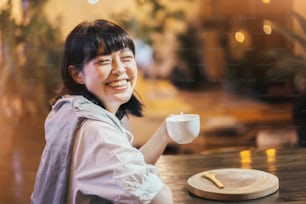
x=105, y=164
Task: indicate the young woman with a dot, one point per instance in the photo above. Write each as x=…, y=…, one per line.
x=89, y=157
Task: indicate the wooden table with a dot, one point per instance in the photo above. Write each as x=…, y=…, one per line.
x=289, y=165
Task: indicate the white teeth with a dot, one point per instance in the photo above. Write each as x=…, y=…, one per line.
x=118, y=83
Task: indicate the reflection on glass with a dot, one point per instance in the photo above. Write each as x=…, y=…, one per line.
x=245, y=159
x=270, y=154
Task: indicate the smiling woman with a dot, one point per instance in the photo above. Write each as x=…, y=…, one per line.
x=110, y=77
x=89, y=157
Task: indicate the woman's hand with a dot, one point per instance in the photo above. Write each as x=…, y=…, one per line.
x=162, y=130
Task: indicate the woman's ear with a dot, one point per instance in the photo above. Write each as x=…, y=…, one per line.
x=75, y=74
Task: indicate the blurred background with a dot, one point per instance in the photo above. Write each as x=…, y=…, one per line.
x=240, y=64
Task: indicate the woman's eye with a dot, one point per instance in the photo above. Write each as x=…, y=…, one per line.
x=127, y=58
x=104, y=62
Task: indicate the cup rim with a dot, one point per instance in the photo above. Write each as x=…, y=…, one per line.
x=188, y=117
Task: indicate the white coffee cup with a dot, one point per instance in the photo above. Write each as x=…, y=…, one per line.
x=183, y=128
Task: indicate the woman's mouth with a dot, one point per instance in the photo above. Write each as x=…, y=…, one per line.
x=118, y=83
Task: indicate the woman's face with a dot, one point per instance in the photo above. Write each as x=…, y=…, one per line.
x=111, y=78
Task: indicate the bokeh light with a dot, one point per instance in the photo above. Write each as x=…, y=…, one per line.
x=239, y=37
x=267, y=27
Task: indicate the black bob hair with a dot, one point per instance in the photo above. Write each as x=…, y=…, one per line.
x=82, y=45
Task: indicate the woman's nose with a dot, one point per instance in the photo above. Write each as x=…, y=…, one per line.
x=118, y=67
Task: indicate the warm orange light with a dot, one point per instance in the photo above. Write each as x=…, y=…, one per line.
x=270, y=153
x=239, y=37
x=245, y=159
x=267, y=27
x=266, y=1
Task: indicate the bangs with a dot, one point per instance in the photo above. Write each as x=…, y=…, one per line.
x=116, y=41
x=106, y=40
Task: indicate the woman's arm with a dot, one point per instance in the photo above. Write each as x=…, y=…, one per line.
x=164, y=196
x=156, y=145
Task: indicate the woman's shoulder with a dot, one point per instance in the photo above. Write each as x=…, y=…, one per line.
x=82, y=107
x=86, y=110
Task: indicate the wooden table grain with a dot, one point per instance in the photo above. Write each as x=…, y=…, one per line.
x=289, y=165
